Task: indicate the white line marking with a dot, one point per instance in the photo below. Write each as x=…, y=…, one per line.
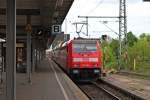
x=62, y=88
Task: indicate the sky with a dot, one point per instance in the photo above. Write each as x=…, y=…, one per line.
x=138, y=17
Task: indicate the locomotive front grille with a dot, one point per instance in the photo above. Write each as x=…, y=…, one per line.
x=85, y=74
x=88, y=73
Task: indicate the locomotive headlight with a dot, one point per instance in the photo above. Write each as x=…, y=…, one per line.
x=77, y=59
x=93, y=59
x=96, y=71
x=75, y=71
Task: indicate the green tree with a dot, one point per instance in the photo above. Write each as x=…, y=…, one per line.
x=142, y=35
x=115, y=45
x=108, y=54
x=146, y=37
x=140, y=52
x=131, y=39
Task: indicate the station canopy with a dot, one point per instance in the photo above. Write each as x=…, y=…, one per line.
x=40, y=14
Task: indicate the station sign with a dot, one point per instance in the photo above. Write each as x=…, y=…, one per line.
x=19, y=45
x=56, y=29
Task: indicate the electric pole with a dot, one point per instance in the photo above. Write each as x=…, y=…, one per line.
x=122, y=28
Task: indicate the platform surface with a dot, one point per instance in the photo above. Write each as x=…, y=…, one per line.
x=48, y=83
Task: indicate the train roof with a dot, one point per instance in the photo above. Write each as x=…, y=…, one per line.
x=84, y=40
x=80, y=38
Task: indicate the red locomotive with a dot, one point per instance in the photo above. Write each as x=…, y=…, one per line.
x=81, y=58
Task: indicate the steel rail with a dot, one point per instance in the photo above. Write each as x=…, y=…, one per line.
x=108, y=92
x=123, y=91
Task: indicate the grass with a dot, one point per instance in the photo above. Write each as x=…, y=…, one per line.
x=143, y=68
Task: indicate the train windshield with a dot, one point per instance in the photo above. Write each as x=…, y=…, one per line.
x=80, y=47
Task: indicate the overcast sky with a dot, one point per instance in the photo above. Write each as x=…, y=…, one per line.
x=138, y=17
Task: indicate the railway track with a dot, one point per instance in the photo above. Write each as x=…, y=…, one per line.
x=96, y=92
x=101, y=90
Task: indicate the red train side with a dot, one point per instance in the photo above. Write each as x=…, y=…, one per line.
x=81, y=58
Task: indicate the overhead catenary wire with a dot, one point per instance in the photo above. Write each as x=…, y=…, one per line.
x=110, y=28
x=92, y=10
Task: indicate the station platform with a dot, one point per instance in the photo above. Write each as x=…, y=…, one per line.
x=48, y=83
x=136, y=85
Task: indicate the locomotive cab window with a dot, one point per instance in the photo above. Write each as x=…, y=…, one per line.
x=80, y=47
